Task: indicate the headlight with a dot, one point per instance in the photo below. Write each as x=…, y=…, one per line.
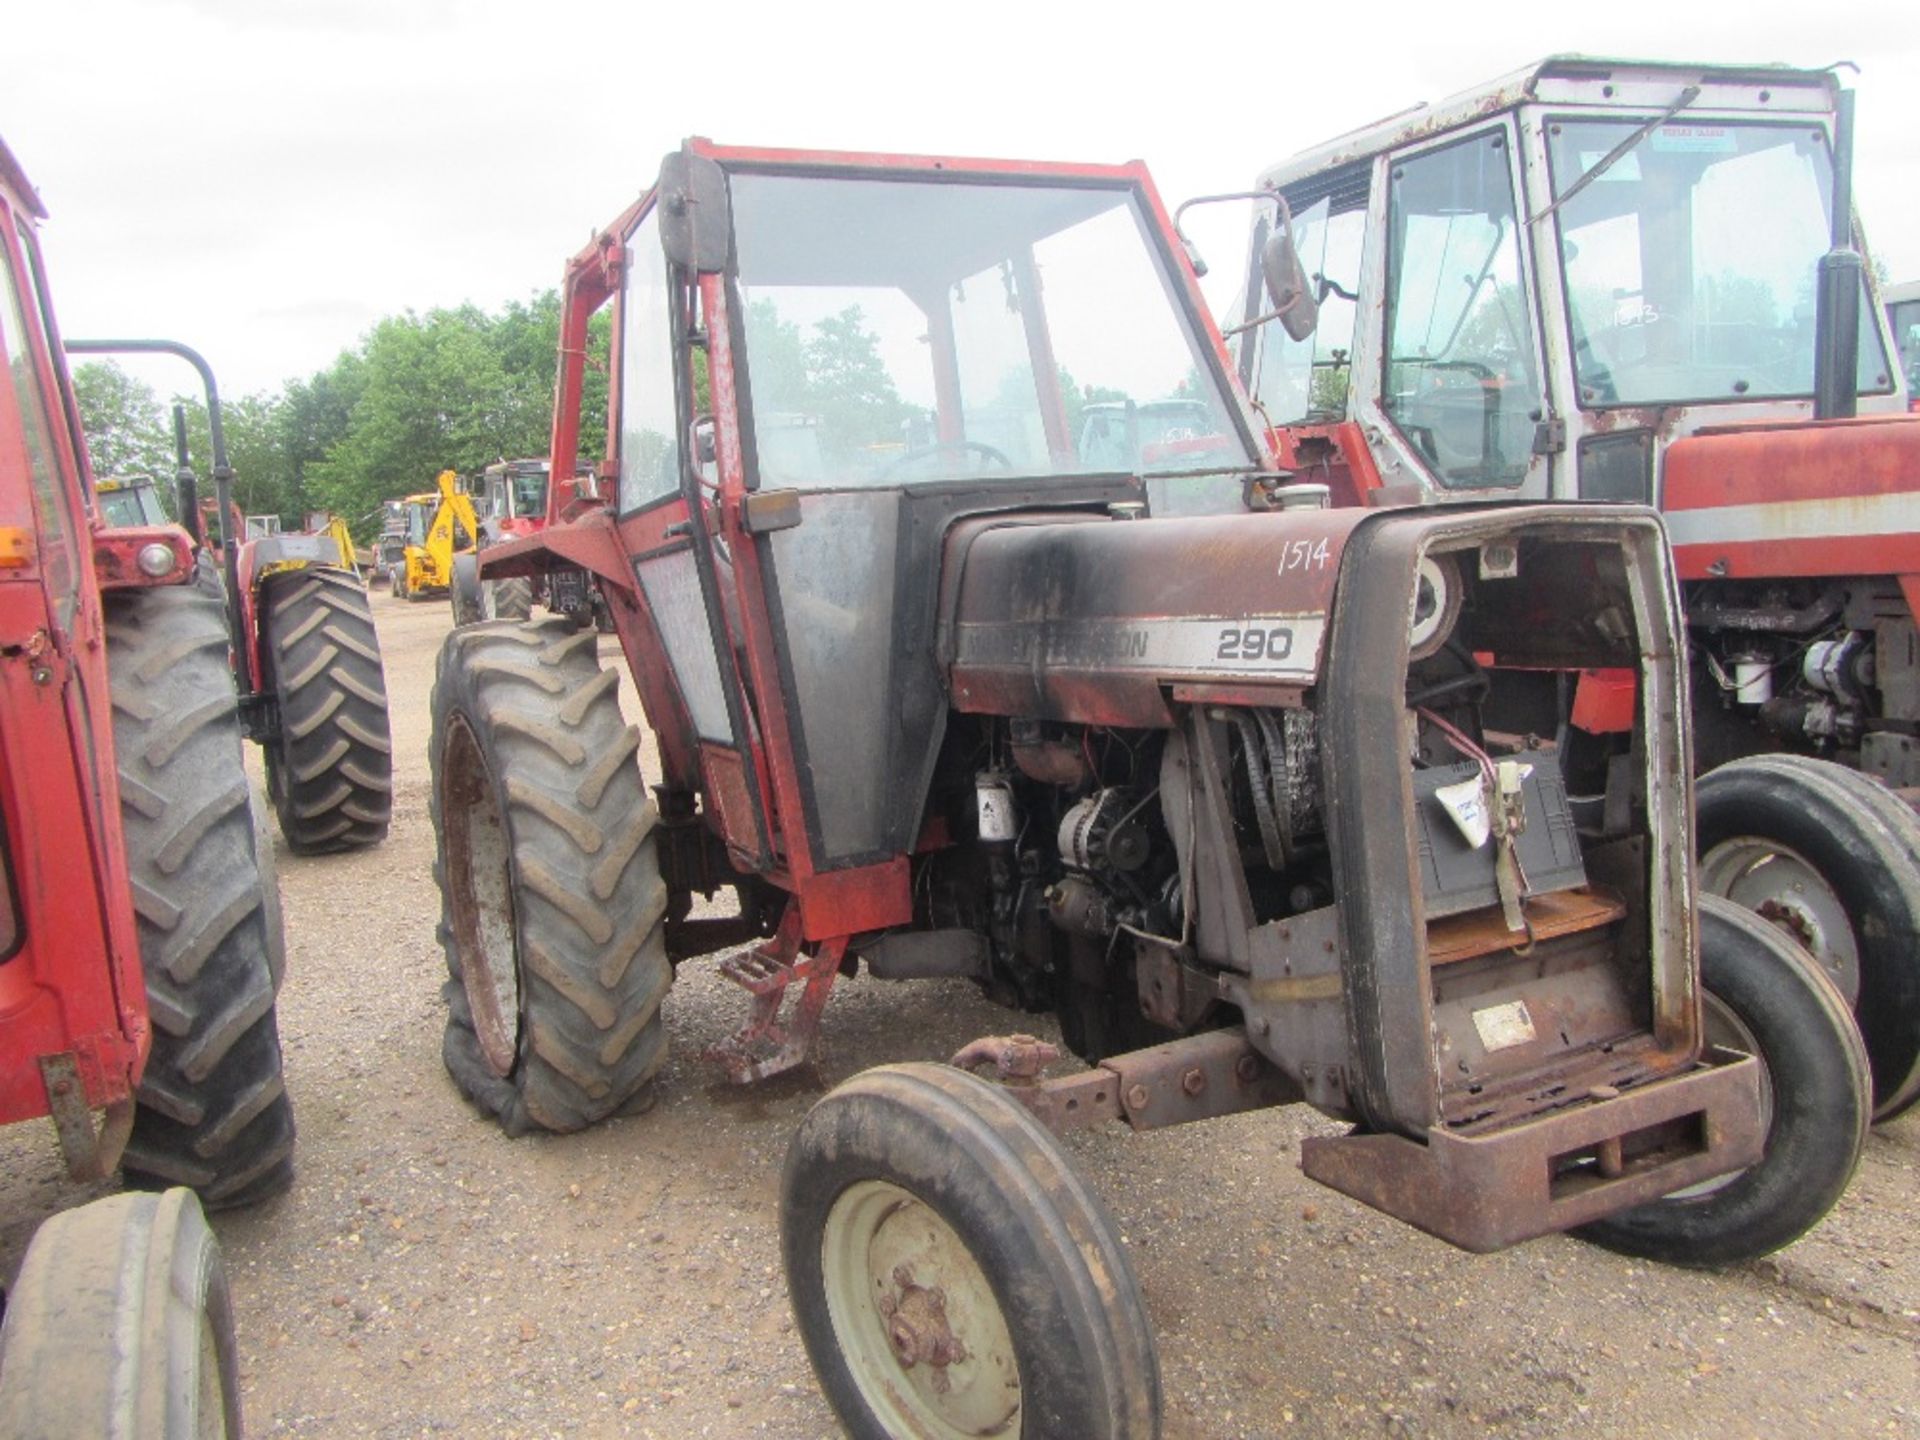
x=1436, y=605
x=156, y=560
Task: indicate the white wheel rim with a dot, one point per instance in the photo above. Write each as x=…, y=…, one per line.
x=1781, y=887
x=900, y=1283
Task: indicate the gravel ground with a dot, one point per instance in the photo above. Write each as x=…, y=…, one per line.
x=426, y=1275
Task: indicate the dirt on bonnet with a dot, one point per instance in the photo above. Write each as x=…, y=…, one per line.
x=426, y=1275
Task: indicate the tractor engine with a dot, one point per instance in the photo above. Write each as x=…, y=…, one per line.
x=1315, y=774
x=1827, y=666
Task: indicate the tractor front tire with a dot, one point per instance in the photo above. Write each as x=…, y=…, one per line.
x=1766, y=996
x=1833, y=860
x=212, y=1105
x=330, y=773
x=951, y=1274
x=552, y=900
x=121, y=1327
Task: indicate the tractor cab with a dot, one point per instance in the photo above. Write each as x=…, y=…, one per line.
x=859, y=356
x=128, y=500
x=419, y=517
x=514, y=496
x=1530, y=290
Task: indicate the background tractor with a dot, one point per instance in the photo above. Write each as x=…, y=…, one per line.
x=305, y=653
x=140, y=941
x=1264, y=808
x=130, y=500
x=513, y=502
x=439, y=523
x=1598, y=280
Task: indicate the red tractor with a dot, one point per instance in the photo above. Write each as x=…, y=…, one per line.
x=140, y=941
x=512, y=502
x=306, y=656
x=1600, y=280
x=951, y=677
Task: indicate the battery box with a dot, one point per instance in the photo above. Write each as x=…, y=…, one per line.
x=1457, y=876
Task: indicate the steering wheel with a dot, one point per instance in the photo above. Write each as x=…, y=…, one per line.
x=988, y=455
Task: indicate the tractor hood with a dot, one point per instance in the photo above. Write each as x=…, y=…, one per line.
x=1839, y=497
x=1088, y=619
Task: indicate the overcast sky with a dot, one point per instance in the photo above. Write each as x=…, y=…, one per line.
x=265, y=180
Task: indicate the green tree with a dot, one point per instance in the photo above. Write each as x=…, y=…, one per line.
x=777, y=358
x=850, y=386
x=126, y=427
x=264, y=483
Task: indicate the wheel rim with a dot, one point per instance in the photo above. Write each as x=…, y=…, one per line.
x=1784, y=889
x=482, y=894
x=1725, y=1029
x=211, y=1403
x=916, y=1319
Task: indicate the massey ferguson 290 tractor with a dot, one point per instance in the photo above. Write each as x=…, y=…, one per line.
x=140, y=944
x=1601, y=280
x=1265, y=808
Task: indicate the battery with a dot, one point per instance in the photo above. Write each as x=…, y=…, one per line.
x=1457, y=876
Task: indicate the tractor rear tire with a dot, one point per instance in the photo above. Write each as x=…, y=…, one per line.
x=468, y=595
x=1764, y=995
x=121, y=1327
x=330, y=773
x=1833, y=859
x=212, y=1107
x=552, y=900
x=512, y=598
x=925, y=1211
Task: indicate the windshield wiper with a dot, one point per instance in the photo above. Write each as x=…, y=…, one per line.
x=1607, y=161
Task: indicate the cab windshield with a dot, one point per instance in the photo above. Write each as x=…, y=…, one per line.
x=527, y=491
x=903, y=331
x=1690, y=261
x=129, y=505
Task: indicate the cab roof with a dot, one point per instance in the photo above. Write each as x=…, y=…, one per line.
x=14, y=180
x=1642, y=86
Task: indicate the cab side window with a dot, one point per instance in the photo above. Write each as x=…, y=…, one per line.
x=649, y=427
x=53, y=501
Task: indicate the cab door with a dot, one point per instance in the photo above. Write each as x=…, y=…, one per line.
x=1453, y=388
x=668, y=515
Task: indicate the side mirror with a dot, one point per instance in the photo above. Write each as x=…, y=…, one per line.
x=1293, y=300
x=695, y=224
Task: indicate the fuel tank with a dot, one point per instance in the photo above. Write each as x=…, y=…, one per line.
x=1096, y=620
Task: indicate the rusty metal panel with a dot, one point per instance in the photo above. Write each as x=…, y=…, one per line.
x=1486, y=1192
x=724, y=771
x=1089, y=621
x=1200, y=1077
